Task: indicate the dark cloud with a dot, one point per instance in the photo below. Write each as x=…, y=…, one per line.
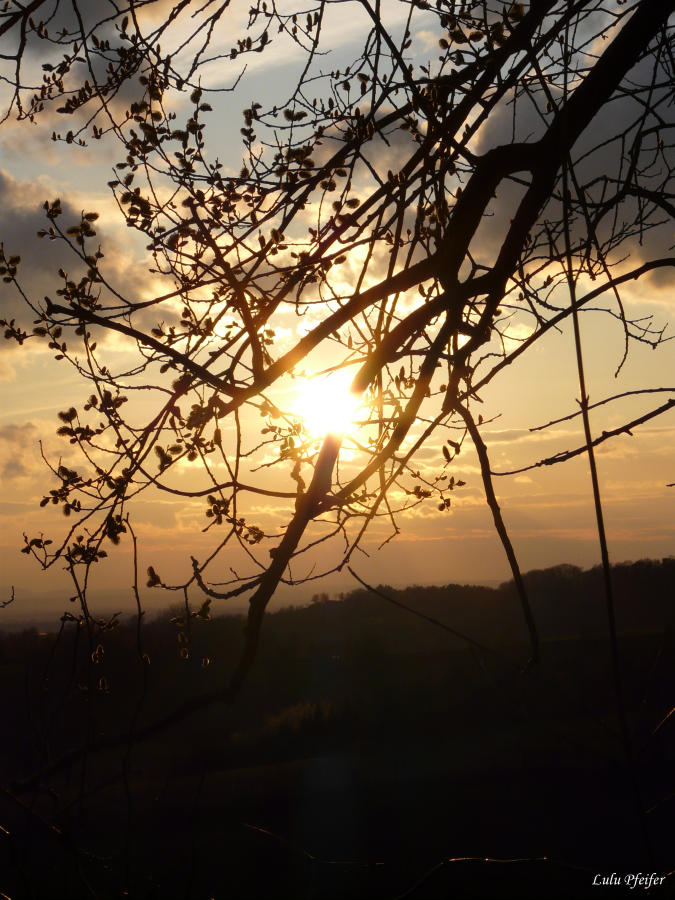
x=15, y=433
x=94, y=14
x=21, y=218
x=13, y=468
x=15, y=440
x=600, y=151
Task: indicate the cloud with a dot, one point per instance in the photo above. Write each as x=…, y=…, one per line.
x=14, y=432
x=15, y=440
x=22, y=215
x=427, y=39
x=600, y=154
x=21, y=448
x=513, y=435
x=21, y=218
x=7, y=371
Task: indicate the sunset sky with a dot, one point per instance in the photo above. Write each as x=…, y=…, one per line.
x=548, y=510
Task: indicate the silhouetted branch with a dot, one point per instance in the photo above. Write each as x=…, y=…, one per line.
x=484, y=859
x=484, y=462
x=659, y=390
x=605, y=436
x=432, y=621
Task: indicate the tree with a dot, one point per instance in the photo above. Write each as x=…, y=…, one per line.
x=363, y=207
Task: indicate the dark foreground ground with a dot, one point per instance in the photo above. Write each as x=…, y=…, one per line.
x=369, y=756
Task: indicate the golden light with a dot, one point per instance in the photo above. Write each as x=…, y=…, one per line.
x=326, y=405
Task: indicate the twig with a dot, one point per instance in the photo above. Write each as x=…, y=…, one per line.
x=658, y=390
x=6, y=603
x=605, y=436
x=500, y=527
x=430, y=619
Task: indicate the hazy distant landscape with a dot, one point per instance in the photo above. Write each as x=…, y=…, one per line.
x=368, y=745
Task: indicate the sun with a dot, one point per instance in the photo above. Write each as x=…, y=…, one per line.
x=326, y=405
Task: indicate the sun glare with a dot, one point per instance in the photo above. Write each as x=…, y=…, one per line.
x=326, y=404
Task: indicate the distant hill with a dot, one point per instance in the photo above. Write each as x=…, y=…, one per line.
x=567, y=602
x=362, y=732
